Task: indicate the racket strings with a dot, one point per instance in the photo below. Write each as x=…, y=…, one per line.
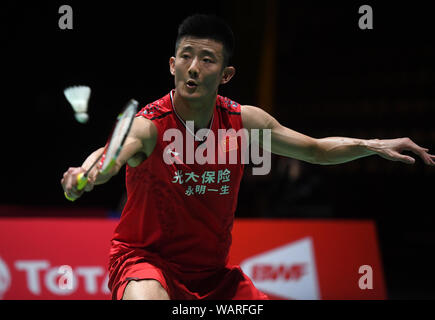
x=119, y=135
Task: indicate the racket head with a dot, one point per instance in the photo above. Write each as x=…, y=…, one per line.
x=117, y=138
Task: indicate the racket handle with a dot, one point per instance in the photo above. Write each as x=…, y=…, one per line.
x=69, y=198
x=82, y=181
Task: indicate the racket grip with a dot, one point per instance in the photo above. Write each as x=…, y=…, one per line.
x=81, y=183
x=69, y=198
x=82, y=180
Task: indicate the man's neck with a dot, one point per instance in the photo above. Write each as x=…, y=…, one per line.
x=200, y=112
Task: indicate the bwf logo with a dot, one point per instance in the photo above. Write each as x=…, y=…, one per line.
x=288, y=271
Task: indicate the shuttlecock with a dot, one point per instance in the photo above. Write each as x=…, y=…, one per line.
x=78, y=97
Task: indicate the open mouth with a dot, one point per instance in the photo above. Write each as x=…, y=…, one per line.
x=191, y=84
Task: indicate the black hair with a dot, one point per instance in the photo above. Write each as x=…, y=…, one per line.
x=209, y=27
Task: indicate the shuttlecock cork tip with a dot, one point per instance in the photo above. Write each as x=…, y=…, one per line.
x=82, y=117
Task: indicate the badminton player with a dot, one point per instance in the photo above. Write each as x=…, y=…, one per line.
x=174, y=234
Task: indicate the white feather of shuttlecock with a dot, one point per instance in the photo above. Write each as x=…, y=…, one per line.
x=78, y=97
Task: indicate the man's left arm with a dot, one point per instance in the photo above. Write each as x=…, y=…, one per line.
x=331, y=150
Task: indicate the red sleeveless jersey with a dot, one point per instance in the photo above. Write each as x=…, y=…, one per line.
x=183, y=213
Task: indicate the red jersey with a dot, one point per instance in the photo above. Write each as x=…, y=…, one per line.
x=182, y=213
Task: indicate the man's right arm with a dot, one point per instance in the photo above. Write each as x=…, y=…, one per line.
x=138, y=145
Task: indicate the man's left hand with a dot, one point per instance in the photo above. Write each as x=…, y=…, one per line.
x=391, y=150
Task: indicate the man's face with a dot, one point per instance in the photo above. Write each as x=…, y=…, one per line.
x=198, y=68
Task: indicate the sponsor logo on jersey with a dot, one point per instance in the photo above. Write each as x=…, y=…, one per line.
x=229, y=143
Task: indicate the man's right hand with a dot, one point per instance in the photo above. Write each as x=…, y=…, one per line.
x=69, y=183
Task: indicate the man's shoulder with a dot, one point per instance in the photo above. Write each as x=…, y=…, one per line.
x=157, y=109
x=228, y=105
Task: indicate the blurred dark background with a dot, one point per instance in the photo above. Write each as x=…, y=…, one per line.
x=308, y=64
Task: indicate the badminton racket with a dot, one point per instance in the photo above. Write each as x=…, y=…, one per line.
x=113, y=147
